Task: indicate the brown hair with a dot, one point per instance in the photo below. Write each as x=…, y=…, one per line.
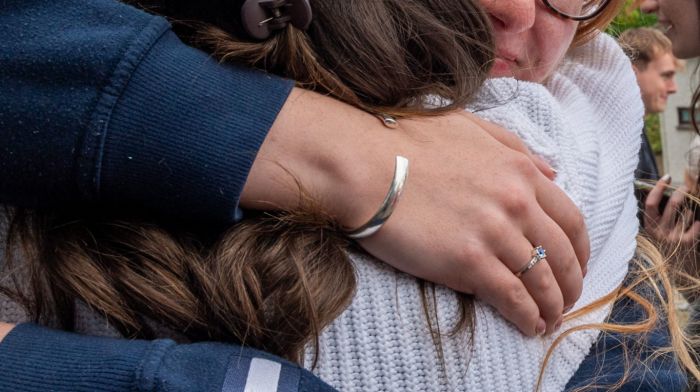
x=644, y=44
x=588, y=29
x=273, y=281
x=381, y=56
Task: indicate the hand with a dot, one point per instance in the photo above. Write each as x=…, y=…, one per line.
x=472, y=210
x=474, y=206
x=5, y=329
x=676, y=225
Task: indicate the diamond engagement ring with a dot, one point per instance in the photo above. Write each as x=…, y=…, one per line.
x=538, y=254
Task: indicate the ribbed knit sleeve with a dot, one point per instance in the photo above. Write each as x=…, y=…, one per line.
x=38, y=359
x=102, y=103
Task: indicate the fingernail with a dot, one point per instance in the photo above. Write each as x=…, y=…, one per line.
x=666, y=178
x=555, y=171
x=568, y=309
x=541, y=327
x=584, y=271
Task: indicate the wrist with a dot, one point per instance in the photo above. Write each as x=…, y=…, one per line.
x=339, y=154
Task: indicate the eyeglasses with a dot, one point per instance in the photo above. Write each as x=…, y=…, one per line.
x=577, y=9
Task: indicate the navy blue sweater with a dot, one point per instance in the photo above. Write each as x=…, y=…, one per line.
x=33, y=359
x=101, y=103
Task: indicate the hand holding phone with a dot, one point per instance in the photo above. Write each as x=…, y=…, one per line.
x=669, y=216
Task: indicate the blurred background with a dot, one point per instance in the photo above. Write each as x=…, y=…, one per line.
x=671, y=132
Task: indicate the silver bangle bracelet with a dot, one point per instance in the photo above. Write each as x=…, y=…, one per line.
x=387, y=208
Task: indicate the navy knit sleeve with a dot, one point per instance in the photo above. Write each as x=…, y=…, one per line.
x=39, y=359
x=101, y=102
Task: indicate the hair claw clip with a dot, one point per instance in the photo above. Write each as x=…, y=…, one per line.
x=261, y=17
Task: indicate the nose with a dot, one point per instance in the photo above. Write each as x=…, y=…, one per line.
x=672, y=86
x=512, y=16
x=649, y=6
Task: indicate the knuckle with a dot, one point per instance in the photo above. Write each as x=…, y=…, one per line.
x=515, y=203
x=497, y=224
x=578, y=223
x=514, y=141
x=515, y=295
x=469, y=254
x=567, y=266
x=525, y=166
x=544, y=283
x=649, y=204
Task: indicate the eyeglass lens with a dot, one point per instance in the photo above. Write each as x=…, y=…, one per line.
x=577, y=8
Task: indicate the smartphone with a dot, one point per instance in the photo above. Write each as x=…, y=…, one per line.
x=643, y=187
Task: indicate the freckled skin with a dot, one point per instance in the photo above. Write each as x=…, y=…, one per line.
x=530, y=39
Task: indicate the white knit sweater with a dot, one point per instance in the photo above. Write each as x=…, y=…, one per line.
x=586, y=123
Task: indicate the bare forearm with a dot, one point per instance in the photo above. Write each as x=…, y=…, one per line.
x=449, y=224
x=339, y=154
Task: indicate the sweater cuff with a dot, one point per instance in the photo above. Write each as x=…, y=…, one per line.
x=35, y=358
x=183, y=135
x=40, y=359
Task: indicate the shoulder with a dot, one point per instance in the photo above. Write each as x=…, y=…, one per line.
x=598, y=78
x=601, y=70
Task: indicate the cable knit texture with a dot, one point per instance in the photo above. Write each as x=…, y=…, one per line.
x=586, y=123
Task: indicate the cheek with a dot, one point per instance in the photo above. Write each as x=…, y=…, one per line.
x=554, y=44
x=646, y=84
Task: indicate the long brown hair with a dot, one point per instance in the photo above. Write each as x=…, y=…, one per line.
x=272, y=281
x=382, y=56
x=275, y=280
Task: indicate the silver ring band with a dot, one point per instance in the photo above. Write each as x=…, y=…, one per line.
x=538, y=254
x=387, y=208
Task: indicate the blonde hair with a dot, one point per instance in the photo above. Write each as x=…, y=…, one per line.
x=644, y=44
x=652, y=286
x=272, y=281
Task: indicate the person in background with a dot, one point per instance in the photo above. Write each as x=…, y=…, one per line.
x=530, y=41
x=680, y=22
x=655, y=67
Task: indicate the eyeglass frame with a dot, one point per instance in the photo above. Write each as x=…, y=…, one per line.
x=597, y=12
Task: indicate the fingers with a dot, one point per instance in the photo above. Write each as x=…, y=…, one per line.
x=560, y=225
x=675, y=225
x=690, y=237
x=673, y=207
x=502, y=135
x=687, y=229
x=501, y=289
x=559, y=208
x=552, y=199
x=653, y=201
x=561, y=258
x=543, y=166
x=539, y=281
x=512, y=141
